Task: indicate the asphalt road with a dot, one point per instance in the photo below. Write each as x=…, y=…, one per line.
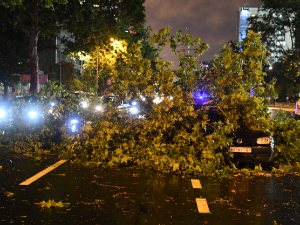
x=127, y=196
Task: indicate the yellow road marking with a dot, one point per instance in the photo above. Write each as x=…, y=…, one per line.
x=202, y=205
x=196, y=183
x=43, y=172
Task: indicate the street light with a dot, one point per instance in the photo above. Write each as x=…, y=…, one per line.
x=97, y=73
x=82, y=56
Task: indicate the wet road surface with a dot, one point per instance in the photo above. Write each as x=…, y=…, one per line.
x=127, y=196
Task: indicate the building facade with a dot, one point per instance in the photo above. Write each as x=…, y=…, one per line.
x=282, y=40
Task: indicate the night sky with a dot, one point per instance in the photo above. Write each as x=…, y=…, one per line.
x=214, y=21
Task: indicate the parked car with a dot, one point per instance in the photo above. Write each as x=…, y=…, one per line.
x=248, y=146
x=123, y=106
x=252, y=147
x=80, y=98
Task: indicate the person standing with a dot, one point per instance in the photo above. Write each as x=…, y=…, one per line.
x=297, y=112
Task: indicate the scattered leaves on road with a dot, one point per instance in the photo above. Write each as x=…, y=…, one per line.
x=52, y=203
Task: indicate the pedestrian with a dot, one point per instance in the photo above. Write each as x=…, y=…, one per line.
x=297, y=112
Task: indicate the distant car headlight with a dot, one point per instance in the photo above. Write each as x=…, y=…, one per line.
x=263, y=140
x=134, y=110
x=157, y=100
x=143, y=98
x=74, y=121
x=2, y=113
x=33, y=114
x=84, y=104
x=98, y=108
x=74, y=125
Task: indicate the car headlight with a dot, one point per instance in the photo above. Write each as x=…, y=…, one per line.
x=134, y=110
x=98, y=108
x=84, y=104
x=74, y=125
x=32, y=114
x=157, y=100
x=2, y=113
x=74, y=121
x=263, y=140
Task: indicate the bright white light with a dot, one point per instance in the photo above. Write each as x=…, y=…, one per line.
x=134, y=103
x=52, y=104
x=142, y=97
x=74, y=121
x=2, y=113
x=157, y=100
x=134, y=110
x=84, y=104
x=98, y=108
x=73, y=128
x=33, y=114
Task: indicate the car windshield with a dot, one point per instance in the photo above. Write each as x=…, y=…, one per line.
x=108, y=99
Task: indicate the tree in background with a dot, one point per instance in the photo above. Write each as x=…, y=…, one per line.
x=115, y=19
x=278, y=18
x=89, y=21
x=281, y=17
x=36, y=19
x=13, y=53
x=148, y=51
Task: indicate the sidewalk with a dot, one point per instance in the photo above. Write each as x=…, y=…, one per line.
x=289, y=107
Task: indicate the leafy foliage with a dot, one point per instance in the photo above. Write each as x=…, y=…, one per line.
x=286, y=133
x=238, y=86
x=287, y=78
x=88, y=21
x=170, y=136
x=277, y=18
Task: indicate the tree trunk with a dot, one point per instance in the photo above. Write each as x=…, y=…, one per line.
x=34, y=60
x=34, y=64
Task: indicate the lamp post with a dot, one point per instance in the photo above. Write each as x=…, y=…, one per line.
x=97, y=73
x=60, y=58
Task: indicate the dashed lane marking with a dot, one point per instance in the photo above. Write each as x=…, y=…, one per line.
x=43, y=172
x=201, y=202
x=202, y=205
x=196, y=183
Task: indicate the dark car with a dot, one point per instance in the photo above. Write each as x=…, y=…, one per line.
x=252, y=147
x=248, y=146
